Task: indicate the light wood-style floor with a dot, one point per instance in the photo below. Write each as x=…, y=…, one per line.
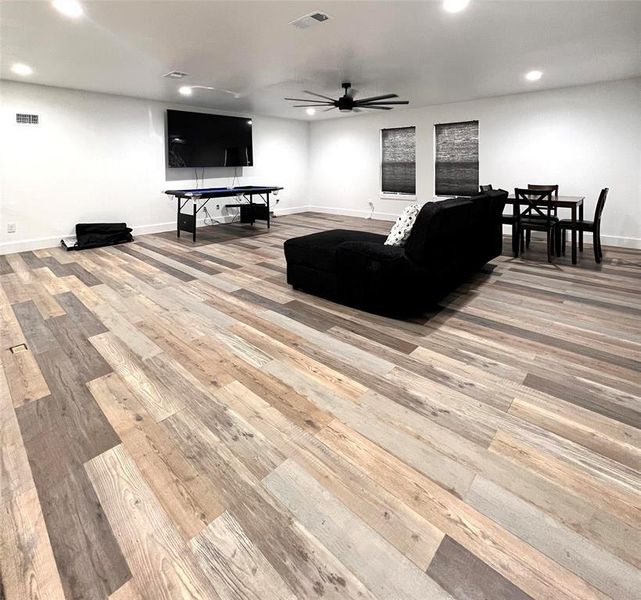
x=179, y=423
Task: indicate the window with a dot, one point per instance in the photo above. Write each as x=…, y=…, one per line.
x=456, y=159
x=398, y=160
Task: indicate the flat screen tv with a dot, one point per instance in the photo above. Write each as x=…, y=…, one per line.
x=204, y=140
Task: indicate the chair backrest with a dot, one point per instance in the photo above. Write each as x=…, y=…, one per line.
x=535, y=199
x=537, y=186
x=486, y=188
x=600, y=204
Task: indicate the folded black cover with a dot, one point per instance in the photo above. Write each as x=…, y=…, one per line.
x=95, y=235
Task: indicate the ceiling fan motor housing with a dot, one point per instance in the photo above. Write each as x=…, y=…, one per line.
x=347, y=103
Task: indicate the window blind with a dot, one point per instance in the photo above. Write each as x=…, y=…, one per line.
x=456, y=159
x=398, y=160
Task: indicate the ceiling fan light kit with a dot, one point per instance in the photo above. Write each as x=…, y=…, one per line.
x=347, y=103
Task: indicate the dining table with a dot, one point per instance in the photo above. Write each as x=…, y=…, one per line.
x=574, y=203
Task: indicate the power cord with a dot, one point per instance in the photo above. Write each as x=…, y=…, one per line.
x=234, y=178
x=202, y=178
x=371, y=210
x=212, y=221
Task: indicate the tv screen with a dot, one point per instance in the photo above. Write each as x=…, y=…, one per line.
x=204, y=140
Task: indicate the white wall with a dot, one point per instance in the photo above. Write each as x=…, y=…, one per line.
x=583, y=138
x=98, y=157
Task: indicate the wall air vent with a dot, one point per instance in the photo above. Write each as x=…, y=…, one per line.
x=25, y=119
x=307, y=21
x=175, y=75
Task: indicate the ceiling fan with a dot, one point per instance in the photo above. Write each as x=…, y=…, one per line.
x=347, y=103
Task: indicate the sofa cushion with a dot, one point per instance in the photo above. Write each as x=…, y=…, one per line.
x=318, y=250
x=403, y=226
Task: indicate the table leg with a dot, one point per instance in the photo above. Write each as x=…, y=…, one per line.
x=268, y=215
x=178, y=218
x=574, y=235
x=515, y=230
x=581, y=230
x=194, y=232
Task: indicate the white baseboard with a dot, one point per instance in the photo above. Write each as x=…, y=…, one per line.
x=171, y=226
x=278, y=212
x=622, y=241
x=606, y=240
x=351, y=212
x=34, y=244
x=53, y=241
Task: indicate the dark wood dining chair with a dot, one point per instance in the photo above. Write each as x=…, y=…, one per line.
x=537, y=215
x=593, y=227
x=539, y=186
x=507, y=220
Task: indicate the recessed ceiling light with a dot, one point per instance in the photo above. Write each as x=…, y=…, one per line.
x=22, y=69
x=311, y=111
x=454, y=6
x=185, y=90
x=534, y=75
x=69, y=8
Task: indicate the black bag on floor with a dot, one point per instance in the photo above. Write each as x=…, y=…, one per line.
x=95, y=235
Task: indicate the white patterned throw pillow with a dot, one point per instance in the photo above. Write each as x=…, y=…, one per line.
x=403, y=226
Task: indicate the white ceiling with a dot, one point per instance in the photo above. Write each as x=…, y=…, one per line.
x=414, y=49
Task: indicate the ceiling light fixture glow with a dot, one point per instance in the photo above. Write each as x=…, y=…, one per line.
x=22, y=69
x=184, y=90
x=534, y=75
x=311, y=111
x=454, y=6
x=69, y=8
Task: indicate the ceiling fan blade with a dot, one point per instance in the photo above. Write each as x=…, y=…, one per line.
x=305, y=100
x=375, y=107
x=312, y=105
x=358, y=103
x=319, y=95
x=374, y=98
x=330, y=108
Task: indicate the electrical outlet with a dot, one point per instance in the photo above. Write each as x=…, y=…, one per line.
x=11, y=227
x=217, y=206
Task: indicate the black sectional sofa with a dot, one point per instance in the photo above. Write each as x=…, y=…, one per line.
x=450, y=239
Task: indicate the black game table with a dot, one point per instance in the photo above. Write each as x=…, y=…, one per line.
x=250, y=211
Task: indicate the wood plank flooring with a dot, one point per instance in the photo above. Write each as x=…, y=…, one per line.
x=177, y=422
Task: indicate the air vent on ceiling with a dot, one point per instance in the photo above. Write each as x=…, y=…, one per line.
x=175, y=75
x=311, y=19
x=25, y=119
